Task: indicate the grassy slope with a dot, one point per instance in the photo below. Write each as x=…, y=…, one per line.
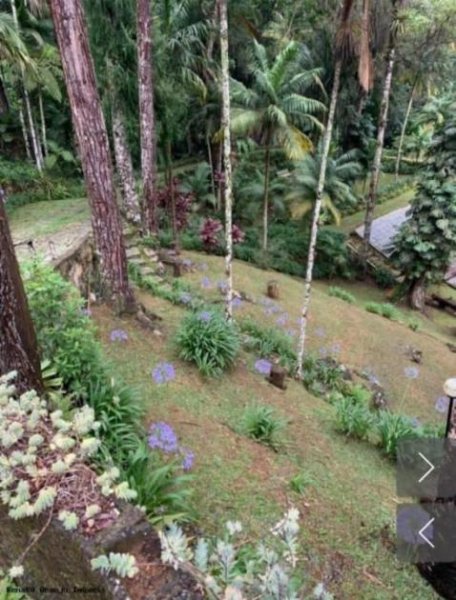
x=348, y=511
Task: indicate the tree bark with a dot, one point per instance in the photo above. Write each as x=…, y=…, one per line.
x=125, y=167
x=403, y=130
x=146, y=113
x=316, y=217
x=43, y=124
x=228, y=181
x=417, y=295
x=18, y=345
x=267, y=167
x=88, y=121
x=38, y=156
x=383, y=119
x=28, y=152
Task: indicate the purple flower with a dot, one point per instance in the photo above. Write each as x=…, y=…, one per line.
x=163, y=373
x=282, y=320
x=185, y=298
x=263, y=366
x=118, y=335
x=411, y=372
x=205, y=316
x=86, y=312
x=162, y=437
x=266, y=301
x=371, y=376
x=336, y=348
x=189, y=457
x=206, y=283
x=442, y=404
x=237, y=302
x=222, y=286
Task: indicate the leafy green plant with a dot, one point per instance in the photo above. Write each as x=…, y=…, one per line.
x=124, y=565
x=353, y=419
x=384, y=278
x=268, y=342
x=385, y=310
x=208, y=340
x=322, y=376
x=414, y=324
x=300, y=482
x=342, y=294
x=262, y=424
x=391, y=428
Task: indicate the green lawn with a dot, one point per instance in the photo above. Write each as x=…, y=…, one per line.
x=348, y=510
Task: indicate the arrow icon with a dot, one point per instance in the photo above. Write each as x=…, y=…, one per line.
x=432, y=467
x=420, y=533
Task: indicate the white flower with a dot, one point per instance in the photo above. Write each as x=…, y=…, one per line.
x=234, y=527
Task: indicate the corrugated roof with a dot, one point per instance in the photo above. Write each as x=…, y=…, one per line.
x=385, y=228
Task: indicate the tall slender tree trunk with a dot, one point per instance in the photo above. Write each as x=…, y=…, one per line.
x=28, y=151
x=18, y=345
x=267, y=168
x=88, y=121
x=38, y=156
x=211, y=162
x=403, y=130
x=383, y=120
x=146, y=113
x=228, y=182
x=172, y=193
x=43, y=124
x=316, y=217
x=124, y=167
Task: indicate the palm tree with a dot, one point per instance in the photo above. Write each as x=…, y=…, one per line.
x=382, y=122
x=342, y=48
x=338, y=189
x=274, y=110
x=12, y=50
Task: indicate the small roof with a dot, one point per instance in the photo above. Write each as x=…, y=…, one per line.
x=384, y=230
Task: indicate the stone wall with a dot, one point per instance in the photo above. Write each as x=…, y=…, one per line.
x=58, y=564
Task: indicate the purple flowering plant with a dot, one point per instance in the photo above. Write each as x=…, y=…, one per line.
x=163, y=437
x=118, y=335
x=263, y=366
x=163, y=372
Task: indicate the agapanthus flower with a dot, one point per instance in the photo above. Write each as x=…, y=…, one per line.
x=185, y=298
x=189, y=457
x=336, y=348
x=282, y=320
x=163, y=372
x=237, y=302
x=263, y=366
x=222, y=286
x=205, y=316
x=411, y=372
x=162, y=437
x=118, y=335
x=442, y=404
x=206, y=283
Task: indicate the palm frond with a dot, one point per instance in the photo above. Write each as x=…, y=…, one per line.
x=296, y=143
x=261, y=56
x=302, y=105
x=245, y=122
x=282, y=63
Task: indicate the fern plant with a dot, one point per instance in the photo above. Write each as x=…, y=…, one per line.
x=262, y=424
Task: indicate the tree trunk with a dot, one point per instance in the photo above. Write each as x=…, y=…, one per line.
x=38, y=156
x=383, y=119
x=228, y=181
x=146, y=113
x=316, y=216
x=88, y=121
x=417, y=295
x=43, y=124
x=18, y=346
x=125, y=167
x=211, y=163
x=267, y=167
x=403, y=130
x=28, y=152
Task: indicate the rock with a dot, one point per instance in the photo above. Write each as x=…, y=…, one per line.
x=451, y=347
x=415, y=354
x=277, y=377
x=273, y=290
x=378, y=398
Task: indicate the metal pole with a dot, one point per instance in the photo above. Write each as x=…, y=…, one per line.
x=450, y=390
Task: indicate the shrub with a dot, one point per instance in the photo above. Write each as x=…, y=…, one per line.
x=342, y=294
x=384, y=278
x=260, y=423
x=322, y=375
x=268, y=342
x=208, y=340
x=385, y=310
x=392, y=428
x=300, y=482
x=414, y=324
x=354, y=419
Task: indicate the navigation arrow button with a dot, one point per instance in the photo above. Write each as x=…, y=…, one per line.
x=429, y=471
x=422, y=536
